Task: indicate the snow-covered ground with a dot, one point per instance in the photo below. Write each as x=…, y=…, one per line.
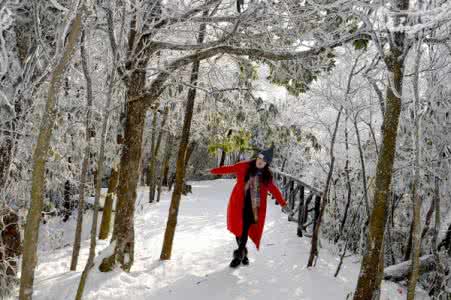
x=199, y=267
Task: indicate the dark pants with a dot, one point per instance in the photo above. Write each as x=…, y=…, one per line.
x=248, y=220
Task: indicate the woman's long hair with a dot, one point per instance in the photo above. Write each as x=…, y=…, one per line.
x=266, y=173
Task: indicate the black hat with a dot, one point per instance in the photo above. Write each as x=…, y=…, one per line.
x=267, y=155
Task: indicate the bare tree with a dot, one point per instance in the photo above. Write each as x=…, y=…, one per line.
x=165, y=165
x=315, y=236
x=416, y=198
x=40, y=155
x=85, y=163
x=123, y=231
x=368, y=285
x=363, y=167
x=316, y=229
x=155, y=150
x=349, y=190
x=100, y=164
x=151, y=166
x=181, y=157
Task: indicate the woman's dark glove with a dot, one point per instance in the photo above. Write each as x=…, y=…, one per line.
x=287, y=210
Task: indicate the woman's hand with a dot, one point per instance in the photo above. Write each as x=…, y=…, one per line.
x=287, y=210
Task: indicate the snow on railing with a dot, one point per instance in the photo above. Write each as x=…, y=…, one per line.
x=291, y=188
x=307, y=186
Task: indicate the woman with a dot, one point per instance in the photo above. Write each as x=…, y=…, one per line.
x=247, y=205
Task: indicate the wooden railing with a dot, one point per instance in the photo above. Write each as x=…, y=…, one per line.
x=303, y=199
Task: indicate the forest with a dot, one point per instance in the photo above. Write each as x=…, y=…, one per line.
x=115, y=114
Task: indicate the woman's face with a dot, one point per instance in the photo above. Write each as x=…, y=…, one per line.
x=260, y=163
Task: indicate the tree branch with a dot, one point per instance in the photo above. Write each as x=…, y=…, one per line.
x=155, y=88
x=442, y=41
x=185, y=16
x=171, y=46
x=224, y=19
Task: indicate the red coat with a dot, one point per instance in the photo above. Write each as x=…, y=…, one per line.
x=236, y=202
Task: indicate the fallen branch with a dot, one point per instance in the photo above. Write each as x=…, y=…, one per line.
x=401, y=271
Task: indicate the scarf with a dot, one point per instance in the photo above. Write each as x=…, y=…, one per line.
x=254, y=185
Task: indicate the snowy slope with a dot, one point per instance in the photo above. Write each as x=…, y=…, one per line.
x=201, y=254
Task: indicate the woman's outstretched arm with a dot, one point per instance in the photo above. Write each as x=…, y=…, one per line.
x=274, y=190
x=225, y=170
x=232, y=169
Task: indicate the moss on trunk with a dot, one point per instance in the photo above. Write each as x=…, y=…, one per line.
x=108, y=206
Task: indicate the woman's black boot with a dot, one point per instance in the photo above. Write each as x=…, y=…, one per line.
x=237, y=257
x=245, y=260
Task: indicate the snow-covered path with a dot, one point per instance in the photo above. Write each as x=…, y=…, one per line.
x=201, y=253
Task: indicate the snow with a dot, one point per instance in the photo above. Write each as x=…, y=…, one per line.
x=201, y=253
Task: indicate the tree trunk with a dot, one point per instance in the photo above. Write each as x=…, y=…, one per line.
x=98, y=181
x=165, y=165
x=362, y=163
x=40, y=155
x=108, y=206
x=306, y=209
x=408, y=253
x=223, y=152
x=440, y=274
x=373, y=135
x=416, y=198
x=317, y=224
x=67, y=202
x=151, y=167
x=437, y=221
x=167, y=159
x=223, y=157
x=189, y=152
x=86, y=155
x=129, y=166
x=367, y=285
x=427, y=222
x=128, y=179
x=180, y=165
x=99, y=175
x=159, y=181
x=348, y=185
x=342, y=256
x=390, y=244
x=416, y=243
x=5, y=158
x=155, y=149
x=316, y=210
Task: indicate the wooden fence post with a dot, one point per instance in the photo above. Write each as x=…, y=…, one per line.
x=284, y=183
x=291, y=195
x=300, y=210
